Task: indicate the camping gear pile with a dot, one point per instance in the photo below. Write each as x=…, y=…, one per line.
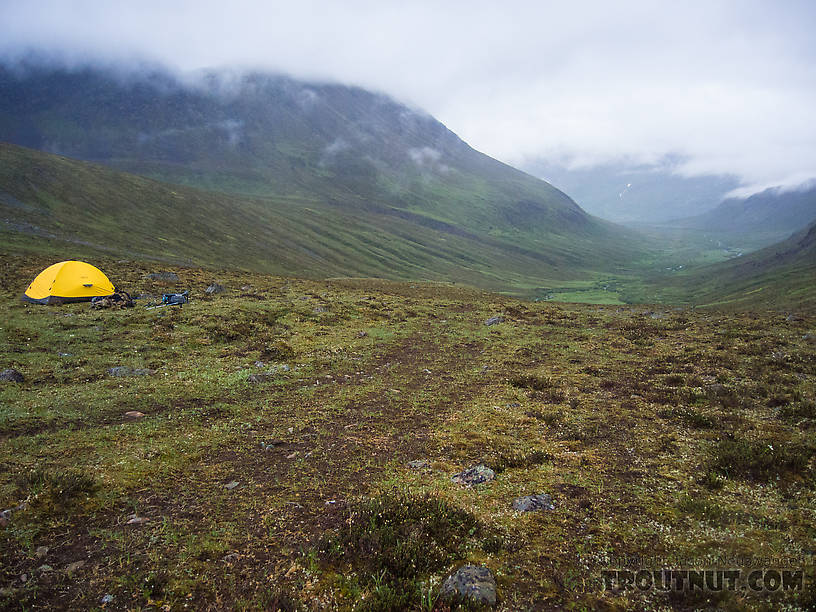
x=120, y=299
x=171, y=299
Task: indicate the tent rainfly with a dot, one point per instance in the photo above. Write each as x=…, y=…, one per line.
x=68, y=281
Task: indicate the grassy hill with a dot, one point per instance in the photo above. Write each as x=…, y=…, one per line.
x=781, y=276
x=45, y=197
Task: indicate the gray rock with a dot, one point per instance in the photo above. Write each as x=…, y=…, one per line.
x=214, y=288
x=494, y=320
x=716, y=389
x=107, y=599
x=531, y=503
x=478, y=474
x=260, y=378
x=320, y=309
x=45, y=568
x=76, y=565
x=41, y=552
x=168, y=277
x=231, y=485
x=11, y=375
x=470, y=582
x=419, y=464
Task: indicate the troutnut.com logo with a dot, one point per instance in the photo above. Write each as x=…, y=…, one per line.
x=757, y=580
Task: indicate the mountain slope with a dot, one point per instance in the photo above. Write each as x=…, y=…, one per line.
x=340, y=159
x=780, y=276
x=771, y=214
x=271, y=135
x=53, y=198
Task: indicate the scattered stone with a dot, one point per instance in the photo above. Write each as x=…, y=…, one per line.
x=107, y=599
x=167, y=277
x=260, y=378
x=246, y=287
x=11, y=375
x=792, y=318
x=214, y=288
x=72, y=567
x=716, y=389
x=514, y=405
x=470, y=582
x=657, y=315
x=284, y=368
x=292, y=456
x=231, y=485
x=134, y=414
x=45, y=568
x=272, y=444
x=23, y=578
x=137, y=520
x=65, y=354
x=259, y=364
x=494, y=320
x=231, y=558
x=362, y=334
x=320, y=309
x=419, y=464
x=426, y=371
x=124, y=371
x=478, y=474
x=531, y=503
x=41, y=552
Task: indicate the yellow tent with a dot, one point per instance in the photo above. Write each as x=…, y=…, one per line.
x=68, y=281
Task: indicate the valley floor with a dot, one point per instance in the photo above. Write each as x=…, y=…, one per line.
x=269, y=466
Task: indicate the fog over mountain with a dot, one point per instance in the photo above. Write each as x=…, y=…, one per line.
x=725, y=87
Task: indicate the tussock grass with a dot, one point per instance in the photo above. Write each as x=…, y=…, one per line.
x=761, y=459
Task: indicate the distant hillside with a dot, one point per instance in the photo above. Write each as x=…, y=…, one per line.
x=772, y=214
x=635, y=194
x=780, y=276
x=47, y=201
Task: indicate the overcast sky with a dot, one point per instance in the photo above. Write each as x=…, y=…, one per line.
x=729, y=86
